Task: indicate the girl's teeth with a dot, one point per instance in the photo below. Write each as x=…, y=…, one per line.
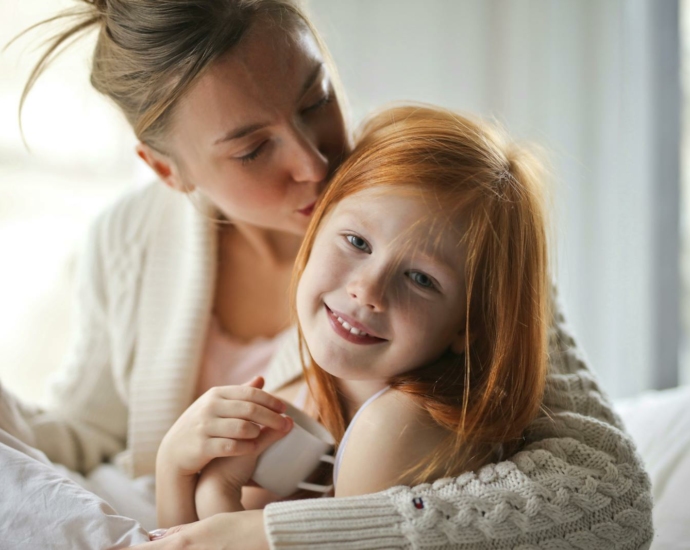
x=352, y=329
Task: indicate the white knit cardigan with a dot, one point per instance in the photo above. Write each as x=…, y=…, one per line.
x=145, y=291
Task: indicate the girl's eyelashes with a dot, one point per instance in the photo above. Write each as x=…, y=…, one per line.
x=253, y=155
x=358, y=242
x=422, y=280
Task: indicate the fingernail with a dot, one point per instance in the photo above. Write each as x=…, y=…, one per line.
x=157, y=534
x=287, y=424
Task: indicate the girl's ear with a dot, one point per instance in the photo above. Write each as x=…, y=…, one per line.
x=164, y=167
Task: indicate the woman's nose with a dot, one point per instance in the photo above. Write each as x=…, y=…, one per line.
x=309, y=164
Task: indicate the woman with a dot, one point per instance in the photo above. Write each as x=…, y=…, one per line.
x=237, y=110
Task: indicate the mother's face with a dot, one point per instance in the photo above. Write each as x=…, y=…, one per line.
x=261, y=131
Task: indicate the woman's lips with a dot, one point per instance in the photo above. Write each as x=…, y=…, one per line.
x=307, y=210
x=344, y=332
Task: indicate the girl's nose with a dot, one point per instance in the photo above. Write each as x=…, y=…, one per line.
x=368, y=290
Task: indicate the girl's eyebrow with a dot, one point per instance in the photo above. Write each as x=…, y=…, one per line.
x=247, y=129
x=442, y=262
x=351, y=215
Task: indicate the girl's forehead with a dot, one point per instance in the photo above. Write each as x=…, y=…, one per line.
x=400, y=201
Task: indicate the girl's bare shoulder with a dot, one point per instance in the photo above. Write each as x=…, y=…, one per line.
x=391, y=436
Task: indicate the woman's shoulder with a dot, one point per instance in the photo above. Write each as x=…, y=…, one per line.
x=128, y=217
x=134, y=217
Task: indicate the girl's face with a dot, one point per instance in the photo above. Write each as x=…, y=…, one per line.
x=260, y=133
x=383, y=291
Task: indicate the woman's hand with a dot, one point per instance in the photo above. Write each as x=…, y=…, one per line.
x=225, y=421
x=238, y=530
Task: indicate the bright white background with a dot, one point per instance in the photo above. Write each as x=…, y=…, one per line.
x=580, y=77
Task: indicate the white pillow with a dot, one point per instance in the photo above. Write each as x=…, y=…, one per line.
x=659, y=422
x=41, y=508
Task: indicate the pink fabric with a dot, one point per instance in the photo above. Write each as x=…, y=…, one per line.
x=228, y=361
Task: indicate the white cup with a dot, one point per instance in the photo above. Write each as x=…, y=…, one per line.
x=283, y=467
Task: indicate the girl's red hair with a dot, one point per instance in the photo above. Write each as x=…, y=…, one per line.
x=487, y=396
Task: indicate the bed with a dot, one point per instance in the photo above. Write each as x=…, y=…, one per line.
x=42, y=508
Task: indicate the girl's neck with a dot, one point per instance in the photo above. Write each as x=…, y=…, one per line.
x=271, y=247
x=356, y=392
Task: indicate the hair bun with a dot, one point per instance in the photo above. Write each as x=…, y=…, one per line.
x=101, y=6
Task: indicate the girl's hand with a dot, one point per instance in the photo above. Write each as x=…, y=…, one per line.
x=238, y=530
x=225, y=421
x=220, y=484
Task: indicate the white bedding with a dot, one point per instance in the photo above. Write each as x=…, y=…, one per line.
x=659, y=422
x=41, y=508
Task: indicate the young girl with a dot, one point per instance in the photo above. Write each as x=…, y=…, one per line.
x=422, y=296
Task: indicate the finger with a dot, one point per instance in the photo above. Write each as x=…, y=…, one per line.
x=256, y=382
x=218, y=447
x=166, y=541
x=232, y=428
x=250, y=394
x=268, y=437
x=253, y=412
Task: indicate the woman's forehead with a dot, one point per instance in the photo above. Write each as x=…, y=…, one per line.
x=255, y=83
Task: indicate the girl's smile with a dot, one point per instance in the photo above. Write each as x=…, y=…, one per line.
x=350, y=329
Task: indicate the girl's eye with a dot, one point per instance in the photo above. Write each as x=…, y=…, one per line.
x=253, y=155
x=358, y=242
x=325, y=100
x=421, y=280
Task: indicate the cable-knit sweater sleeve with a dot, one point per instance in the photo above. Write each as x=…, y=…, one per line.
x=577, y=484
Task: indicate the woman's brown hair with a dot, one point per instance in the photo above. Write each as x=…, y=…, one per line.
x=149, y=52
x=486, y=396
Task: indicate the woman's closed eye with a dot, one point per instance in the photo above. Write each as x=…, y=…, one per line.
x=252, y=155
x=322, y=102
x=358, y=242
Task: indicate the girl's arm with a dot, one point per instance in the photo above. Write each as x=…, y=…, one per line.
x=390, y=436
x=174, y=495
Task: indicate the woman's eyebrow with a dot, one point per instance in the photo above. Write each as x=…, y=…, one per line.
x=247, y=129
x=308, y=83
x=240, y=132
